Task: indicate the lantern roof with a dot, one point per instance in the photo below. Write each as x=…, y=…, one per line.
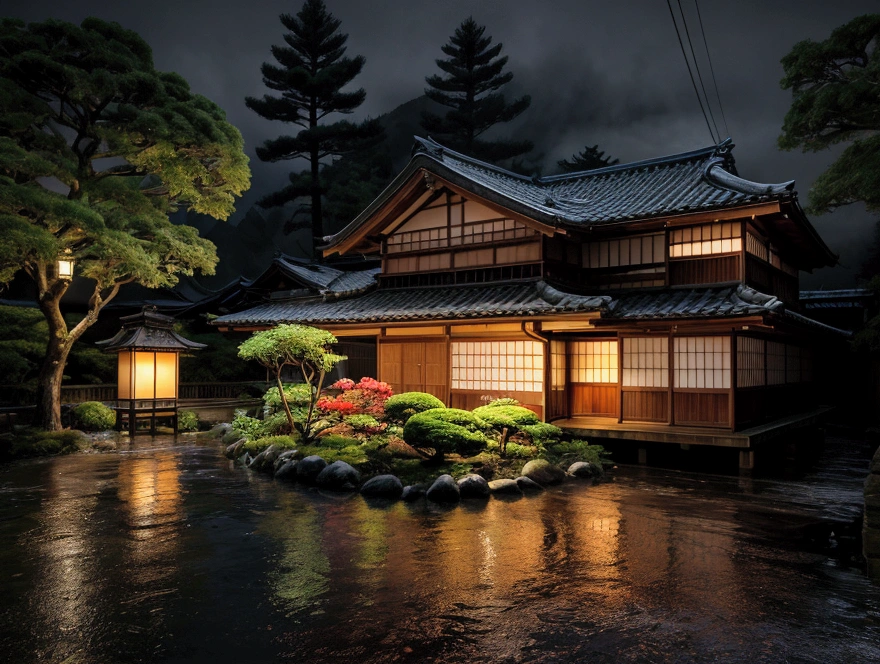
x=148, y=330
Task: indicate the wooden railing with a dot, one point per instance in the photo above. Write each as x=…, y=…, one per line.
x=17, y=395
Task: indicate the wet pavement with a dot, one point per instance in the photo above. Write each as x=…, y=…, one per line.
x=169, y=553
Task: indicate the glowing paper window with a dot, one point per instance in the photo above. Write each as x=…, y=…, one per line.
x=707, y=240
x=702, y=363
x=593, y=362
x=498, y=366
x=646, y=362
x=750, y=362
x=558, y=362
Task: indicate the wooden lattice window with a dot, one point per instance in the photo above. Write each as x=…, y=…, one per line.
x=504, y=366
x=643, y=250
x=719, y=238
x=646, y=362
x=558, y=362
x=593, y=362
x=702, y=363
x=755, y=246
x=775, y=363
x=750, y=370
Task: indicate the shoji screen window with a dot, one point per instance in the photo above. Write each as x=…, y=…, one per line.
x=557, y=365
x=702, y=363
x=593, y=362
x=507, y=366
x=720, y=238
x=646, y=362
x=750, y=370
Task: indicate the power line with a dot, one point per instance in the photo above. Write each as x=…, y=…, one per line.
x=687, y=33
x=711, y=68
x=690, y=73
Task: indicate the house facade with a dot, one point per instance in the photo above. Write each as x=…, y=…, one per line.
x=661, y=292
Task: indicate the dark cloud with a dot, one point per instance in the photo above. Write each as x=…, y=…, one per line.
x=598, y=72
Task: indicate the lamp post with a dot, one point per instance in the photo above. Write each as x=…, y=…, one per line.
x=148, y=352
x=64, y=265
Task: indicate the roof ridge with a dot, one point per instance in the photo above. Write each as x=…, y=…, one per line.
x=432, y=148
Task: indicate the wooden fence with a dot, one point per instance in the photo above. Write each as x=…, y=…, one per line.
x=17, y=395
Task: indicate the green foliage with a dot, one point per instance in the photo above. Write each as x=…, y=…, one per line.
x=401, y=407
x=35, y=442
x=336, y=442
x=260, y=444
x=835, y=87
x=187, y=420
x=470, y=89
x=504, y=416
x=245, y=426
x=503, y=401
x=297, y=394
x=445, y=430
x=576, y=450
x=586, y=160
x=94, y=416
x=542, y=433
x=354, y=455
x=312, y=74
x=363, y=423
x=518, y=451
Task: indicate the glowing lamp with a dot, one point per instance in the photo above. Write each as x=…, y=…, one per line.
x=148, y=353
x=64, y=267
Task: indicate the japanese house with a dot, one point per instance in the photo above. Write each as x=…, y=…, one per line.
x=662, y=293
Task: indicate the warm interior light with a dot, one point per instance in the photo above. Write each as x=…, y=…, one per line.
x=65, y=265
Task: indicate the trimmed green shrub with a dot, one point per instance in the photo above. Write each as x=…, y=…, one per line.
x=576, y=450
x=36, y=442
x=187, y=420
x=94, y=416
x=504, y=415
x=282, y=442
x=502, y=401
x=401, y=407
x=363, y=423
x=297, y=394
x=542, y=434
x=518, y=451
x=445, y=430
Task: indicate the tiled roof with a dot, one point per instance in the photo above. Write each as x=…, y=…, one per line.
x=734, y=300
x=399, y=305
x=321, y=278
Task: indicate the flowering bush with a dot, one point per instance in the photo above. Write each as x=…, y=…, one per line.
x=366, y=397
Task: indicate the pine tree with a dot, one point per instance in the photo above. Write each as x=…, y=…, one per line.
x=313, y=70
x=586, y=160
x=470, y=88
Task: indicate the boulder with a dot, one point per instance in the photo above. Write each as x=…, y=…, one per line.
x=287, y=470
x=585, y=470
x=527, y=485
x=473, y=486
x=338, y=476
x=505, y=487
x=283, y=458
x=413, y=492
x=309, y=468
x=230, y=437
x=444, y=490
x=382, y=486
x=220, y=430
x=543, y=472
x=265, y=460
x=234, y=449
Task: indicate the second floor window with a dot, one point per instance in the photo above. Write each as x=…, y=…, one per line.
x=719, y=238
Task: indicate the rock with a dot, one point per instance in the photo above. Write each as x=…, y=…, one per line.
x=230, y=437
x=233, y=450
x=287, y=470
x=413, y=492
x=473, y=486
x=265, y=460
x=282, y=458
x=543, y=472
x=220, y=430
x=505, y=487
x=309, y=468
x=585, y=470
x=527, y=485
x=382, y=486
x=338, y=476
x=444, y=490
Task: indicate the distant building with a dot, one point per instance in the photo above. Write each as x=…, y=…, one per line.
x=663, y=291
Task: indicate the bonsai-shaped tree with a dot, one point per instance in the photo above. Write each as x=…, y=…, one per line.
x=507, y=419
x=445, y=430
x=301, y=346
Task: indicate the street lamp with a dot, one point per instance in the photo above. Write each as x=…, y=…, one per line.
x=148, y=352
x=65, y=265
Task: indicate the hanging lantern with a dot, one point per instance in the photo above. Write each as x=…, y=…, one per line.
x=64, y=265
x=148, y=353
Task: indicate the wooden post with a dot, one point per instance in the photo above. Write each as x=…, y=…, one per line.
x=746, y=459
x=643, y=456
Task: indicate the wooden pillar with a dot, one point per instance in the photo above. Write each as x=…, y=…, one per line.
x=746, y=459
x=643, y=456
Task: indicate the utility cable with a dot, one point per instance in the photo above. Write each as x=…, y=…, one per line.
x=690, y=73
x=712, y=69
x=687, y=33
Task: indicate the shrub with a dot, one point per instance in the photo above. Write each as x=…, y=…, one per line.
x=542, y=434
x=401, y=407
x=364, y=424
x=35, y=442
x=502, y=401
x=336, y=442
x=187, y=420
x=576, y=450
x=507, y=420
x=94, y=416
x=297, y=394
x=366, y=397
x=445, y=430
x=518, y=451
x=246, y=427
x=260, y=444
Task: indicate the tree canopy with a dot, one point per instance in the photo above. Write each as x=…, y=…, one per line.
x=96, y=148
x=310, y=76
x=474, y=72
x=835, y=87
x=586, y=160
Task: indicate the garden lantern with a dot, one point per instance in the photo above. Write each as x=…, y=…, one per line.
x=64, y=267
x=148, y=351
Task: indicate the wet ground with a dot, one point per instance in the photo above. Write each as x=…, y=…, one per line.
x=167, y=553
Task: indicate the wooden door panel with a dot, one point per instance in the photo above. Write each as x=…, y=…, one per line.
x=413, y=367
x=435, y=369
x=593, y=399
x=391, y=365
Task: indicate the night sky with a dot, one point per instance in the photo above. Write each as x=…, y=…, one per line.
x=610, y=73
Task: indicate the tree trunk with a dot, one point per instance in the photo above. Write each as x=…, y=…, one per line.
x=48, y=415
x=284, y=399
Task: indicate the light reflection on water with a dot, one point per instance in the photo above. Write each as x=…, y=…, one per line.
x=171, y=554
